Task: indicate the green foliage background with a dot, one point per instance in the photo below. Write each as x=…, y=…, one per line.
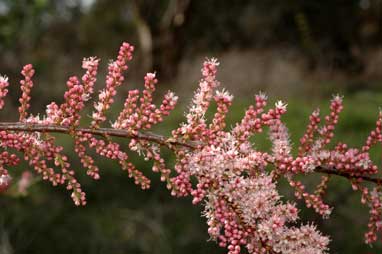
x=120, y=218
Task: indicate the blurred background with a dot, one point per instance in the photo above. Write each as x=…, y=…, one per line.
x=299, y=51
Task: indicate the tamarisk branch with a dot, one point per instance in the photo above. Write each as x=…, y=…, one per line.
x=219, y=167
x=147, y=136
x=102, y=132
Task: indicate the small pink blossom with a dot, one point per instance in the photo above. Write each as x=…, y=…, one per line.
x=3, y=89
x=5, y=181
x=24, y=182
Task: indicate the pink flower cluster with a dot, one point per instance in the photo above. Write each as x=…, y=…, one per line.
x=38, y=152
x=26, y=86
x=218, y=166
x=134, y=118
x=114, y=79
x=229, y=171
x=243, y=207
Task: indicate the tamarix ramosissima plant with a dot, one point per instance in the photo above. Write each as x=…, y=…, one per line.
x=217, y=166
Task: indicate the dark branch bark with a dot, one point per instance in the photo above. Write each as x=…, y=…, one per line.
x=330, y=171
x=161, y=140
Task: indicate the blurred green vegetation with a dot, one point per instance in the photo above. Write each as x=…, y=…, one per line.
x=53, y=34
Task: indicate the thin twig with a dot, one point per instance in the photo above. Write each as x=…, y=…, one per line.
x=330, y=171
x=162, y=140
